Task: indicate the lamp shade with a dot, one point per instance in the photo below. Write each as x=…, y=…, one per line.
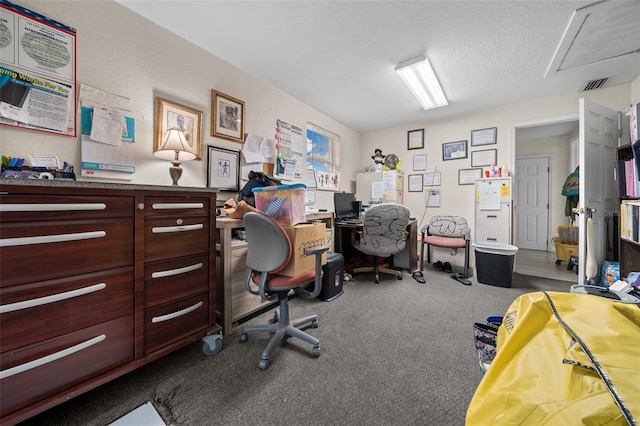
x=175, y=147
x=420, y=78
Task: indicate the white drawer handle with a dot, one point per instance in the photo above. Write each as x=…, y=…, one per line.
x=50, y=358
x=43, y=239
x=51, y=207
x=51, y=299
x=164, y=229
x=165, y=206
x=176, y=314
x=178, y=271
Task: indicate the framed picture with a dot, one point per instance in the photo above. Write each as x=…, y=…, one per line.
x=415, y=183
x=432, y=198
x=484, y=157
x=432, y=179
x=222, y=169
x=420, y=162
x=454, y=150
x=169, y=115
x=227, y=117
x=469, y=176
x=484, y=136
x=415, y=139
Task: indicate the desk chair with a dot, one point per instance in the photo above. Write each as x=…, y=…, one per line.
x=450, y=232
x=384, y=234
x=269, y=251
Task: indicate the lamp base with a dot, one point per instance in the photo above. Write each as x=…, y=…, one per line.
x=175, y=171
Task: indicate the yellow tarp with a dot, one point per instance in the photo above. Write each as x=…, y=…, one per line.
x=542, y=375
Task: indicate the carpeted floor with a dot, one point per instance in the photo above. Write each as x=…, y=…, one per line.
x=394, y=353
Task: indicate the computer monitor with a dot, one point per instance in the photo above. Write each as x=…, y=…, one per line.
x=345, y=205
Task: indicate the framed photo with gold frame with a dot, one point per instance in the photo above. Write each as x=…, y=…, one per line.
x=227, y=117
x=169, y=115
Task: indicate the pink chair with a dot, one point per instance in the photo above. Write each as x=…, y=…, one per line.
x=450, y=232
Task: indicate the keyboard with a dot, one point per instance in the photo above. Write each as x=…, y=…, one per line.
x=353, y=221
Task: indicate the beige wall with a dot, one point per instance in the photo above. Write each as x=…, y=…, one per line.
x=123, y=53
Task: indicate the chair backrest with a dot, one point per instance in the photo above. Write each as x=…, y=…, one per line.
x=268, y=246
x=448, y=226
x=385, y=228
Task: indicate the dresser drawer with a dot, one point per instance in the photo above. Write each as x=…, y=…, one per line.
x=176, y=206
x=34, y=372
x=36, y=251
x=493, y=217
x=16, y=207
x=179, y=236
x=171, y=322
x=173, y=279
x=42, y=310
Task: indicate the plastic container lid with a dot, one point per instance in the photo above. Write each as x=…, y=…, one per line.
x=496, y=248
x=280, y=187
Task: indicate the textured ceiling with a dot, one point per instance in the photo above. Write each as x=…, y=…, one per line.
x=339, y=56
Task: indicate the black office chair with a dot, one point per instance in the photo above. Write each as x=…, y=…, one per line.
x=269, y=251
x=384, y=234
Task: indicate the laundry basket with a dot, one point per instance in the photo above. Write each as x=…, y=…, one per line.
x=568, y=234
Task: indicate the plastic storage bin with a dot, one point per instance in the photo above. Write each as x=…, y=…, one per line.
x=494, y=263
x=285, y=203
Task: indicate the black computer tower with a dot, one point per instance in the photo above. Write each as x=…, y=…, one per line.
x=332, y=277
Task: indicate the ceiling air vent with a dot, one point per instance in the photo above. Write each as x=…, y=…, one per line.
x=594, y=84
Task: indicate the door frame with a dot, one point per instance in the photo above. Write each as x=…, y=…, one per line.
x=549, y=200
x=536, y=123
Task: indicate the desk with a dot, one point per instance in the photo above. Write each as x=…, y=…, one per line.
x=406, y=259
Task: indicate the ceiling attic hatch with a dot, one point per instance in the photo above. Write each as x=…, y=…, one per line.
x=594, y=84
x=597, y=33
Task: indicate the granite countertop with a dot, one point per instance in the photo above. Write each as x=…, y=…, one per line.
x=99, y=185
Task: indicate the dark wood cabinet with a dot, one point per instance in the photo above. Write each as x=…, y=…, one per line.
x=628, y=250
x=96, y=281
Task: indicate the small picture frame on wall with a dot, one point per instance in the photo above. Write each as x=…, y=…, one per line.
x=484, y=136
x=454, y=150
x=469, y=176
x=173, y=115
x=415, y=139
x=222, y=169
x=227, y=117
x=415, y=183
x=484, y=157
x=420, y=162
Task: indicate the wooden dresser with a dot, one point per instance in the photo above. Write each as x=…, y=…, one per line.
x=97, y=280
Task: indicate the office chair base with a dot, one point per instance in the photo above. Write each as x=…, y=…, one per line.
x=381, y=268
x=284, y=328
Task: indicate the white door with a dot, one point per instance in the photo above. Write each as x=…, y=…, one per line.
x=598, y=143
x=532, y=203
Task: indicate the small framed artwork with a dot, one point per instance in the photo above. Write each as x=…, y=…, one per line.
x=432, y=198
x=415, y=139
x=469, y=176
x=484, y=136
x=454, y=150
x=420, y=162
x=172, y=115
x=227, y=117
x=222, y=169
x=484, y=157
x=432, y=179
x=415, y=183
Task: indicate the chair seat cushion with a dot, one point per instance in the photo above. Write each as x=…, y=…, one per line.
x=280, y=282
x=447, y=242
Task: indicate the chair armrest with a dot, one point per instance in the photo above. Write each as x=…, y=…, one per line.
x=425, y=230
x=301, y=292
x=467, y=234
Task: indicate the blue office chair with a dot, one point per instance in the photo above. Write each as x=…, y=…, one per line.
x=384, y=234
x=269, y=251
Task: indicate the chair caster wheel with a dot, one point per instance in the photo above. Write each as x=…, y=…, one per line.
x=399, y=277
x=314, y=324
x=315, y=352
x=244, y=337
x=212, y=344
x=263, y=364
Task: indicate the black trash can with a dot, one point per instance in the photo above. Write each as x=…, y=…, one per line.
x=332, y=277
x=494, y=263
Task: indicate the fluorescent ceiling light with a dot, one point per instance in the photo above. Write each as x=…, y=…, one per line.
x=419, y=77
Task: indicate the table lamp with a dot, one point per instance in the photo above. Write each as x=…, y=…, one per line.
x=175, y=149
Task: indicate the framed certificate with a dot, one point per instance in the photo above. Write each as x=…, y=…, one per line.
x=484, y=136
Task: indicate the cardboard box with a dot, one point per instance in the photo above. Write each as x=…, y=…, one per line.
x=304, y=236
